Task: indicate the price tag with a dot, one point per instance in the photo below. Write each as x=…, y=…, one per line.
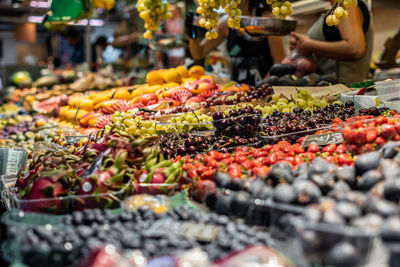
x=200, y=232
x=323, y=139
x=72, y=139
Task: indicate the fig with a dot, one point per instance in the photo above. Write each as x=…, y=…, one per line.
x=366, y=162
x=369, y=179
x=284, y=193
x=307, y=192
x=344, y=255
x=346, y=174
x=392, y=189
x=390, y=230
x=348, y=210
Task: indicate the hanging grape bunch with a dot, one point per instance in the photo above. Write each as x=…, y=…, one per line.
x=341, y=10
x=209, y=15
x=280, y=8
x=152, y=12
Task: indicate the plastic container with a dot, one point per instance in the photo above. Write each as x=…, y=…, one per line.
x=388, y=91
x=155, y=189
x=15, y=248
x=12, y=160
x=321, y=242
x=360, y=101
x=159, y=203
x=291, y=137
x=280, y=218
x=67, y=204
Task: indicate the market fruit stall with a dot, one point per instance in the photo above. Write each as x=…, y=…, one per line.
x=184, y=167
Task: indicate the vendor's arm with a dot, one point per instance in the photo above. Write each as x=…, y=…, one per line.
x=276, y=48
x=352, y=46
x=200, y=49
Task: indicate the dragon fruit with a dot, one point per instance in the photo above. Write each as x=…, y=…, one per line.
x=102, y=121
x=209, y=93
x=182, y=95
x=45, y=191
x=113, y=105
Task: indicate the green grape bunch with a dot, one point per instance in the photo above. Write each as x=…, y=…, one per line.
x=340, y=11
x=280, y=8
x=152, y=12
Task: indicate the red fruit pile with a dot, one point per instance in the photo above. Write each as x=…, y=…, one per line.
x=368, y=135
x=252, y=162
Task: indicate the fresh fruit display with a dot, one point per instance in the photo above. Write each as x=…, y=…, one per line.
x=113, y=160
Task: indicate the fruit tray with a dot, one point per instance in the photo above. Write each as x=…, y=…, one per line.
x=262, y=26
x=291, y=137
x=324, y=244
x=280, y=218
x=67, y=204
x=12, y=160
x=155, y=189
x=15, y=250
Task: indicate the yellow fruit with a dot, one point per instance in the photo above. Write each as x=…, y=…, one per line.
x=155, y=77
x=123, y=94
x=100, y=98
x=169, y=85
x=196, y=71
x=188, y=80
x=92, y=96
x=70, y=115
x=63, y=111
x=182, y=71
x=208, y=77
x=87, y=104
x=81, y=113
x=30, y=98
x=40, y=123
x=172, y=76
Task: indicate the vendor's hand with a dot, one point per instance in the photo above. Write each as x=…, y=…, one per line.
x=301, y=42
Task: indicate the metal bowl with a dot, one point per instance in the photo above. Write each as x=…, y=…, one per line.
x=167, y=41
x=261, y=26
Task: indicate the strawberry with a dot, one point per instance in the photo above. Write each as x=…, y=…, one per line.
x=371, y=135
x=261, y=171
x=329, y=158
x=337, y=120
x=347, y=133
x=360, y=136
x=340, y=149
x=358, y=124
x=379, y=141
x=313, y=148
x=367, y=147
x=344, y=159
x=207, y=175
x=298, y=160
x=301, y=140
x=381, y=120
x=388, y=131
x=246, y=164
x=329, y=148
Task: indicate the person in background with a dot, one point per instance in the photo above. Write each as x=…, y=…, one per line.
x=250, y=60
x=75, y=40
x=97, y=50
x=344, y=49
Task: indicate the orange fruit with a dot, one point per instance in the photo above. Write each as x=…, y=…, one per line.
x=155, y=77
x=196, y=71
x=182, y=71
